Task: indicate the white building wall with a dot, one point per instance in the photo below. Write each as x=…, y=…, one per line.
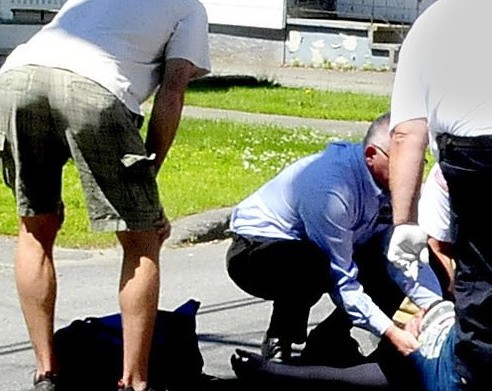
x=15, y=34
x=247, y=13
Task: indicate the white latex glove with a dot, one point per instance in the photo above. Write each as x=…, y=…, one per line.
x=408, y=247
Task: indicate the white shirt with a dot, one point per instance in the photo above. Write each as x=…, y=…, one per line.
x=120, y=44
x=434, y=209
x=444, y=70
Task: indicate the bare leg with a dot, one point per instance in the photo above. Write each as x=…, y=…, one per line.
x=139, y=295
x=36, y=285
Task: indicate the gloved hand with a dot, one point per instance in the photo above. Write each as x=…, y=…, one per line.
x=408, y=247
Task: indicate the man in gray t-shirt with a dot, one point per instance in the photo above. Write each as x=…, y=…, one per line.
x=73, y=91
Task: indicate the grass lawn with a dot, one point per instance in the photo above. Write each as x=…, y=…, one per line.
x=214, y=164
x=265, y=97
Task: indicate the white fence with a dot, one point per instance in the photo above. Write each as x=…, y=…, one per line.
x=404, y=11
x=394, y=11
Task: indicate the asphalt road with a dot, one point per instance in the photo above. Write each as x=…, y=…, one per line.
x=227, y=319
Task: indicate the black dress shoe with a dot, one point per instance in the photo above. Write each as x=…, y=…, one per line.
x=276, y=349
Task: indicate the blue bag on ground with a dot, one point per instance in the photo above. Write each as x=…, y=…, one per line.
x=90, y=351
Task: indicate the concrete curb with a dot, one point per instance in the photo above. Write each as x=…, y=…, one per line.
x=202, y=227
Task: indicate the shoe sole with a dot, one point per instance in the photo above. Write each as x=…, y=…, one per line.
x=436, y=324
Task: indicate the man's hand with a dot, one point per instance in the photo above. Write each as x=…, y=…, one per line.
x=414, y=325
x=404, y=341
x=407, y=247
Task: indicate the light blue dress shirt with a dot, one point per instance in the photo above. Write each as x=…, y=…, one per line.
x=331, y=199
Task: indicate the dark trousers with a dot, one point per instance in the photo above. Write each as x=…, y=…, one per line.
x=294, y=274
x=466, y=163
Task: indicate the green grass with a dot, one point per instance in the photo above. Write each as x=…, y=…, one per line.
x=268, y=98
x=211, y=164
x=215, y=164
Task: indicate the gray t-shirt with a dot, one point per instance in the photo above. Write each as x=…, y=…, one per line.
x=120, y=44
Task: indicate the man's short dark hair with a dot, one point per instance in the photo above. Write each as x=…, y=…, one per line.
x=378, y=129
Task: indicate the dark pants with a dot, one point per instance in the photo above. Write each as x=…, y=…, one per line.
x=466, y=163
x=295, y=274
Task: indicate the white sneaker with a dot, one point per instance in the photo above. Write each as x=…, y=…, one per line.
x=436, y=324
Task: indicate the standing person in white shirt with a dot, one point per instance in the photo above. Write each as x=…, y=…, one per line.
x=73, y=91
x=442, y=91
